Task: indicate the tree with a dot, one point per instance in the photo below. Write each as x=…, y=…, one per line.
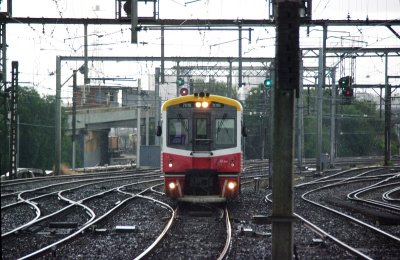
x=4, y=156
x=359, y=128
x=36, y=127
x=36, y=132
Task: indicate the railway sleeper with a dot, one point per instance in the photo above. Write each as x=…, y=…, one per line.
x=64, y=224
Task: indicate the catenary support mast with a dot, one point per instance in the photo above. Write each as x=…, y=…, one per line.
x=286, y=86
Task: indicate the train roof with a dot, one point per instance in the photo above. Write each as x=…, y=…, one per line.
x=197, y=97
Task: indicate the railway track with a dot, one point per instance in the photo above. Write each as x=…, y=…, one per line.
x=127, y=216
x=129, y=230
x=84, y=205
x=73, y=216
x=199, y=232
x=353, y=227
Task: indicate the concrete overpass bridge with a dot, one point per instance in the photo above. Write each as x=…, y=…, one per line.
x=94, y=124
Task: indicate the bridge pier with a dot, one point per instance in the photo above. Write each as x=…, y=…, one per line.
x=95, y=148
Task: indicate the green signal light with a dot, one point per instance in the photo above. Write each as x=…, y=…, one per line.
x=345, y=81
x=180, y=81
x=267, y=83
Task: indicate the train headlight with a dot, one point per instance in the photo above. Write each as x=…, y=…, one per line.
x=171, y=185
x=203, y=104
x=231, y=185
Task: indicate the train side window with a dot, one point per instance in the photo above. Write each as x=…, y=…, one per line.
x=178, y=131
x=225, y=131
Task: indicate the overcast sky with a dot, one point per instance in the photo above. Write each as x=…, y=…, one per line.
x=36, y=46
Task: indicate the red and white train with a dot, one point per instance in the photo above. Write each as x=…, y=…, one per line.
x=201, y=147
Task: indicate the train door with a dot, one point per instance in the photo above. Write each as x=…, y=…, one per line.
x=201, y=179
x=201, y=132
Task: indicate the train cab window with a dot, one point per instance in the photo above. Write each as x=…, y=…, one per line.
x=202, y=139
x=225, y=132
x=201, y=128
x=178, y=131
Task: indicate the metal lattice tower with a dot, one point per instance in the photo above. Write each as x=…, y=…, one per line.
x=3, y=60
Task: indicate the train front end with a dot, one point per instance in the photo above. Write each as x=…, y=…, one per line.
x=201, y=155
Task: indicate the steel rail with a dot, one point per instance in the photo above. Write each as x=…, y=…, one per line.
x=386, y=196
x=354, y=195
x=370, y=168
x=10, y=183
x=325, y=234
x=88, y=224
x=228, y=236
x=165, y=230
x=366, y=225
x=38, y=218
x=93, y=180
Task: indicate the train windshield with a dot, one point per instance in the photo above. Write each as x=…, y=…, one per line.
x=225, y=133
x=178, y=131
x=201, y=129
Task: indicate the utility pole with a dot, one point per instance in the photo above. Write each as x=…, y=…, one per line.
x=74, y=87
x=286, y=84
x=86, y=66
x=230, y=80
x=178, y=72
x=13, y=120
x=157, y=105
x=388, y=94
x=321, y=86
x=134, y=21
x=240, y=57
x=333, y=119
x=147, y=125
x=300, y=122
x=3, y=53
x=57, y=152
x=138, y=134
x=162, y=54
x=271, y=121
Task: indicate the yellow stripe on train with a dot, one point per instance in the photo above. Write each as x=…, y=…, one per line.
x=215, y=98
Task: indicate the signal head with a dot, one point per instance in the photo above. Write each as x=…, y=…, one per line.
x=267, y=83
x=345, y=81
x=183, y=91
x=180, y=82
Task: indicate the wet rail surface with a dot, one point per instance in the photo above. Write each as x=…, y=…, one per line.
x=101, y=216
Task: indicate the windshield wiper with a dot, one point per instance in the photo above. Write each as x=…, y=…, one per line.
x=183, y=122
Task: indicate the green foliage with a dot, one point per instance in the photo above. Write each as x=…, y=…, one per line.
x=36, y=132
x=360, y=130
x=36, y=126
x=3, y=134
x=359, y=127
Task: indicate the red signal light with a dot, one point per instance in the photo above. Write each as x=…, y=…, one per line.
x=183, y=91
